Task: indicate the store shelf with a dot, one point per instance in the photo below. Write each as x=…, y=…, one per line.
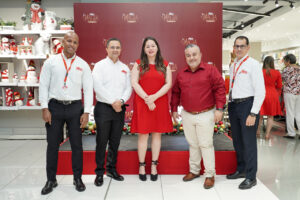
x=32, y=57
x=8, y=108
x=7, y=56
x=29, y=108
x=23, y=32
x=28, y=84
x=8, y=84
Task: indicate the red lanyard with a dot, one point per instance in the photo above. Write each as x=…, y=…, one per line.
x=67, y=70
x=235, y=71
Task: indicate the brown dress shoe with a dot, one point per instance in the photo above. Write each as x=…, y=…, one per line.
x=209, y=182
x=190, y=176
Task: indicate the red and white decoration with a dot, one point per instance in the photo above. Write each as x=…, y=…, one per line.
x=31, y=76
x=9, y=97
x=17, y=99
x=4, y=76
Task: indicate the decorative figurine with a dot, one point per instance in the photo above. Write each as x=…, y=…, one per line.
x=50, y=22
x=42, y=44
x=31, y=76
x=57, y=48
x=17, y=99
x=9, y=97
x=4, y=75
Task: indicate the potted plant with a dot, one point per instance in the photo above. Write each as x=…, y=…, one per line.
x=9, y=25
x=66, y=24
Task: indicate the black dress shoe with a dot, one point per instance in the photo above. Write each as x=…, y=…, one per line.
x=235, y=175
x=49, y=187
x=98, y=180
x=289, y=137
x=247, y=184
x=79, y=185
x=114, y=175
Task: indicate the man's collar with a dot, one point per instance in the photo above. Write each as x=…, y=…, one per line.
x=236, y=61
x=200, y=66
x=66, y=57
x=110, y=60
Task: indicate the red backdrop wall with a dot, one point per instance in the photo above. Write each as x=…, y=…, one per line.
x=174, y=25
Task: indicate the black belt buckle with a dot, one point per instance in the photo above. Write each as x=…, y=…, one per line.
x=66, y=102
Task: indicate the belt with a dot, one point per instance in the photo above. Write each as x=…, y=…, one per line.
x=202, y=111
x=241, y=100
x=65, y=102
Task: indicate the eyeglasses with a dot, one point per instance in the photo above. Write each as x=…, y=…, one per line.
x=239, y=46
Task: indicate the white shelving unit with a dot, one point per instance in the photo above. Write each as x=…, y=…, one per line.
x=19, y=62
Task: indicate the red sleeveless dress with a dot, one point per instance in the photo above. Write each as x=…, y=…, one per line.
x=273, y=84
x=159, y=120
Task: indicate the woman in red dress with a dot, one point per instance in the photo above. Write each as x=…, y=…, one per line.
x=151, y=79
x=271, y=104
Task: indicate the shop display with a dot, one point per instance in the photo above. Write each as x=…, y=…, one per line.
x=31, y=76
x=50, y=21
x=9, y=97
x=41, y=45
x=17, y=99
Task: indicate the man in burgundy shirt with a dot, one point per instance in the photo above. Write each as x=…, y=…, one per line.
x=200, y=89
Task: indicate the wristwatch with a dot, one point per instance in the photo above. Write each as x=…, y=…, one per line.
x=220, y=109
x=122, y=101
x=253, y=114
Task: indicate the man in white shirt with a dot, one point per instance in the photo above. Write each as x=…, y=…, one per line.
x=62, y=79
x=246, y=95
x=113, y=88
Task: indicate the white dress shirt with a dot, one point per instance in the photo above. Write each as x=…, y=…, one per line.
x=52, y=81
x=111, y=81
x=249, y=81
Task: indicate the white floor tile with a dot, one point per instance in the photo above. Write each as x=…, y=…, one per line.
x=134, y=189
x=174, y=188
x=8, y=146
x=66, y=189
x=28, y=192
x=228, y=190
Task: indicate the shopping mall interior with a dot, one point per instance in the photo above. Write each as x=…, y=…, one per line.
x=273, y=29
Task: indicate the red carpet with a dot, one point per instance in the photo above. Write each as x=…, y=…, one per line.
x=170, y=162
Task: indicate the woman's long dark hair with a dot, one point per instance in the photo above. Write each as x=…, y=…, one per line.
x=268, y=64
x=159, y=61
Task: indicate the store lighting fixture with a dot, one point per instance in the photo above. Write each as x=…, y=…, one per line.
x=276, y=3
x=242, y=24
x=265, y=1
x=292, y=5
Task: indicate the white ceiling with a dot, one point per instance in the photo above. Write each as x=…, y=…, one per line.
x=276, y=28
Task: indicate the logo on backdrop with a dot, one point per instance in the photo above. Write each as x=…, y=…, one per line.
x=130, y=17
x=169, y=17
x=90, y=18
x=209, y=17
x=173, y=66
x=188, y=40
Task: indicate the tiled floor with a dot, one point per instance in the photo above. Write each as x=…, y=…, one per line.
x=22, y=176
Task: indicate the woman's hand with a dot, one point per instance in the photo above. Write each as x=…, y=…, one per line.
x=150, y=99
x=151, y=106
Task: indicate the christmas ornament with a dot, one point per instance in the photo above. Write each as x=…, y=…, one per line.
x=31, y=76
x=9, y=97
x=17, y=99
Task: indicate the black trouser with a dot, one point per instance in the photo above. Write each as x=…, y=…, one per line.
x=61, y=114
x=244, y=137
x=109, y=130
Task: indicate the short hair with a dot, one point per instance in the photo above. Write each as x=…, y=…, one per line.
x=191, y=46
x=112, y=39
x=291, y=58
x=242, y=38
